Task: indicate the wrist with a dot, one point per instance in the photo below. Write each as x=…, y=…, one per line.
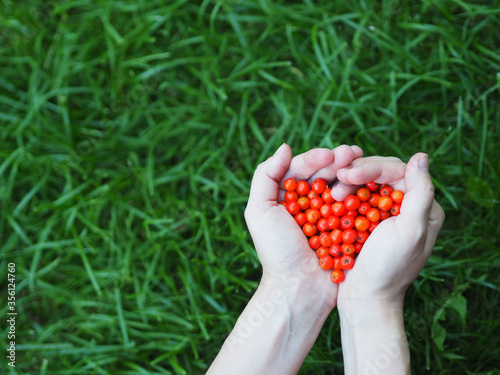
x=300, y=294
x=373, y=338
x=354, y=311
x=276, y=330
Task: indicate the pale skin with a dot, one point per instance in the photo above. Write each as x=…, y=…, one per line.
x=281, y=322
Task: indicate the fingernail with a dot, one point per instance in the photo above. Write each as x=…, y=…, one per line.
x=280, y=149
x=423, y=162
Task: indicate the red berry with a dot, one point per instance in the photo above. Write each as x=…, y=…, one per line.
x=303, y=188
x=363, y=208
x=335, y=250
x=397, y=196
x=372, y=186
x=374, y=200
x=337, y=263
x=363, y=194
x=347, y=222
x=291, y=196
x=322, y=225
x=337, y=276
x=318, y=186
x=357, y=247
x=316, y=202
x=339, y=209
x=386, y=191
x=325, y=240
x=362, y=236
x=353, y=213
x=314, y=242
x=385, y=203
x=385, y=215
x=326, y=210
x=300, y=218
x=327, y=196
x=309, y=229
x=347, y=262
x=351, y=202
x=322, y=252
x=373, y=226
x=349, y=236
x=362, y=223
x=326, y=262
x=373, y=214
x=348, y=248
x=313, y=215
x=395, y=209
x=333, y=222
x=303, y=203
x=293, y=207
x=290, y=184
x=336, y=236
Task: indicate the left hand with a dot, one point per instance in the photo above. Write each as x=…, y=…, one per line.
x=283, y=249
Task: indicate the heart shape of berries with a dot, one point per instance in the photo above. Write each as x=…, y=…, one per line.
x=337, y=230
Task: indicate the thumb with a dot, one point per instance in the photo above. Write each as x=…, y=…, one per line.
x=417, y=203
x=267, y=176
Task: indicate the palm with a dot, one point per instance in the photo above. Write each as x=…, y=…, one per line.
x=371, y=270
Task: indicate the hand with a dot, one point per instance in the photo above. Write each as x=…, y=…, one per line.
x=282, y=320
x=282, y=247
x=399, y=247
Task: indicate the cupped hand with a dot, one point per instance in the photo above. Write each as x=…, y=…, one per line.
x=399, y=247
x=281, y=246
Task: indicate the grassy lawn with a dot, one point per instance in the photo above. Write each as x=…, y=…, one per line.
x=129, y=133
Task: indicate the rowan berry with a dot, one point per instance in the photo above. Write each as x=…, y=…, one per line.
x=322, y=225
x=309, y=229
x=347, y=262
x=363, y=194
x=327, y=196
x=397, y=196
x=303, y=187
x=326, y=262
x=351, y=202
x=385, y=203
x=290, y=184
x=337, y=276
x=318, y=185
x=372, y=186
x=300, y=218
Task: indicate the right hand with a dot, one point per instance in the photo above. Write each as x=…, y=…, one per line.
x=399, y=247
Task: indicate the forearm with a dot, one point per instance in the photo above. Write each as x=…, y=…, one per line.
x=275, y=332
x=374, y=340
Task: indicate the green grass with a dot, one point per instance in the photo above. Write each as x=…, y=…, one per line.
x=129, y=134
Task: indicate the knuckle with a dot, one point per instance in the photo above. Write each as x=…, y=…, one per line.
x=247, y=213
x=395, y=159
x=441, y=215
x=260, y=168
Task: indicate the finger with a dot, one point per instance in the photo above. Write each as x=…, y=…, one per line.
x=265, y=180
x=358, y=152
x=435, y=223
x=419, y=197
x=303, y=166
x=436, y=217
x=340, y=190
x=342, y=156
x=382, y=170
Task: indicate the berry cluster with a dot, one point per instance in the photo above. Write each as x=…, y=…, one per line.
x=337, y=230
